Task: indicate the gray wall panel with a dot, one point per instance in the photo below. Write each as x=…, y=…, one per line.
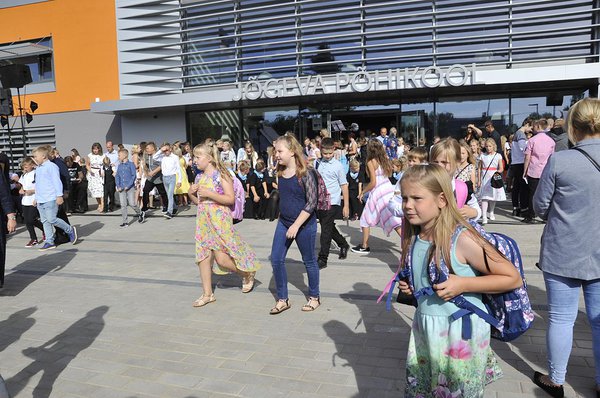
x=15, y=3
x=153, y=126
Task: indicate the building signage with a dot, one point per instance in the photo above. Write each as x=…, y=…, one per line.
x=360, y=81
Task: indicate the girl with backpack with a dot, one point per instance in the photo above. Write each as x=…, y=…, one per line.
x=380, y=190
x=489, y=164
x=219, y=247
x=441, y=361
x=298, y=198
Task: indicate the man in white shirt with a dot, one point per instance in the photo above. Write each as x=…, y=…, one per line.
x=112, y=154
x=171, y=170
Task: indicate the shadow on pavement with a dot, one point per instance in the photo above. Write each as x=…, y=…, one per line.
x=386, y=251
x=52, y=357
x=31, y=270
x=377, y=355
x=88, y=229
x=12, y=328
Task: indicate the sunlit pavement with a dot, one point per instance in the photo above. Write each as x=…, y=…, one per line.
x=112, y=317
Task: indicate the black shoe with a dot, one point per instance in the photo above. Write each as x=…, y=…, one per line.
x=554, y=391
x=124, y=225
x=361, y=250
x=322, y=263
x=528, y=220
x=344, y=252
x=168, y=216
x=516, y=212
x=174, y=211
x=164, y=210
x=142, y=217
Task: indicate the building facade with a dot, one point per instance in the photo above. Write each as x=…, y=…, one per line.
x=70, y=47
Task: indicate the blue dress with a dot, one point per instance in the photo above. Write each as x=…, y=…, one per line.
x=439, y=362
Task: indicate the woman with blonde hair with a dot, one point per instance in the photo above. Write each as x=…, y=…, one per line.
x=567, y=198
x=219, y=247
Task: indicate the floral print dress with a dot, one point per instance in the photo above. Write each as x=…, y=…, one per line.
x=440, y=364
x=214, y=230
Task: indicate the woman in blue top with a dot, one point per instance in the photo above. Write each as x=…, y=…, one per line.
x=439, y=361
x=298, y=196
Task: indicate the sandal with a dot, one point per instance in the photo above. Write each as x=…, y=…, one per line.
x=280, y=306
x=248, y=282
x=203, y=300
x=310, y=306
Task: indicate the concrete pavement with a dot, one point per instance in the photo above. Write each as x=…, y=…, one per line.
x=111, y=317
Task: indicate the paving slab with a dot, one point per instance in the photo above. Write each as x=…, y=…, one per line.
x=112, y=317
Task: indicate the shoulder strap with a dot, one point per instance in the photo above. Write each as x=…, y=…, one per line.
x=587, y=155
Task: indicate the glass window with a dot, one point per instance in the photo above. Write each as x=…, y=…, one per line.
x=215, y=125
x=416, y=121
x=36, y=54
x=262, y=126
x=553, y=105
x=454, y=115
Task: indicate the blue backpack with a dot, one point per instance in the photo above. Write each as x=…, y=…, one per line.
x=509, y=313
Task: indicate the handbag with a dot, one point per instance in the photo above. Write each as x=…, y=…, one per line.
x=497, y=181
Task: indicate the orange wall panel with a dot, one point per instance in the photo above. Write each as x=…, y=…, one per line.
x=84, y=40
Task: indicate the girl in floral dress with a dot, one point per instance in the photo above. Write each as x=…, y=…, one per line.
x=219, y=247
x=440, y=363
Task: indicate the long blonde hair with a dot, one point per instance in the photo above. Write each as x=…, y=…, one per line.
x=212, y=152
x=436, y=180
x=376, y=150
x=294, y=146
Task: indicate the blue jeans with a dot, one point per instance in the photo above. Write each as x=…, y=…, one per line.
x=306, y=241
x=170, y=182
x=48, y=212
x=563, y=306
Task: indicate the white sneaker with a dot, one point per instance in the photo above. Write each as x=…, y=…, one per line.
x=484, y=221
x=492, y=217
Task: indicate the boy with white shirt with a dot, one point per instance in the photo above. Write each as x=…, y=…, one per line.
x=170, y=168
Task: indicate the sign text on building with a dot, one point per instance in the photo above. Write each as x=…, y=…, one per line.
x=360, y=81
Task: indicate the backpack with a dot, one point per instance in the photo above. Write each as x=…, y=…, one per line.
x=324, y=198
x=237, y=209
x=509, y=314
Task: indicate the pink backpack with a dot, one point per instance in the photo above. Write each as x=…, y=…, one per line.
x=237, y=209
x=461, y=191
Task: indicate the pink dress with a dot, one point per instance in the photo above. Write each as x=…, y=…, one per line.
x=376, y=212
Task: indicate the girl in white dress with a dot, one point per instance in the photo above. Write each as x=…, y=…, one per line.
x=490, y=163
x=95, y=181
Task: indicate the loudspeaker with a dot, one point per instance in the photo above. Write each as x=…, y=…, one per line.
x=15, y=76
x=554, y=99
x=6, y=104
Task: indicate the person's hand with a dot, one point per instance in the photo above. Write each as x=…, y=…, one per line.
x=34, y=203
x=203, y=192
x=346, y=212
x=59, y=200
x=450, y=288
x=404, y=287
x=464, y=212
x=178, y=185
x=292, y=231
x=256, y=199
x=525, y=179
x=11, y=225
x=193, y=189
x=267, y=196
x=21, y=191
x=247, y=195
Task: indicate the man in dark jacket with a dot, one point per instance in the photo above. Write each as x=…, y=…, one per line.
x=560, y=136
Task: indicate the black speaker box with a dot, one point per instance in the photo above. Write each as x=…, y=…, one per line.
x=15, y=76
x=6, y=105
x=554, y=99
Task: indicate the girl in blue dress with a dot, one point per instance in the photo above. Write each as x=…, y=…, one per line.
x=440, y=363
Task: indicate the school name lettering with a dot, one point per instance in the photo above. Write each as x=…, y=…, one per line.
x=360, y=81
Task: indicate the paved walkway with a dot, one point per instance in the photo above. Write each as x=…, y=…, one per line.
x=111, y=317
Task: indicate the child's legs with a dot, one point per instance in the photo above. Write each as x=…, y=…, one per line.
x=225, y=261
x=484, y=209
x=47, y=214
x=591, y=294
x=123, y=201
x=279, y=250
x=30, y=214
x=563, y=302
x=326, y=221
x=366, y=231
x=306, y=240
x=131, y=200
x=492, y=206
x=206, y=275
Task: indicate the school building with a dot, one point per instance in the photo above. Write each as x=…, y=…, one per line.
x=168, y=70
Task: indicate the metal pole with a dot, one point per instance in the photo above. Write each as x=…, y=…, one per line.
x=22, y=123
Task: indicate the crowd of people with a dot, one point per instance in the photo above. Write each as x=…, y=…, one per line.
x=431, y=196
